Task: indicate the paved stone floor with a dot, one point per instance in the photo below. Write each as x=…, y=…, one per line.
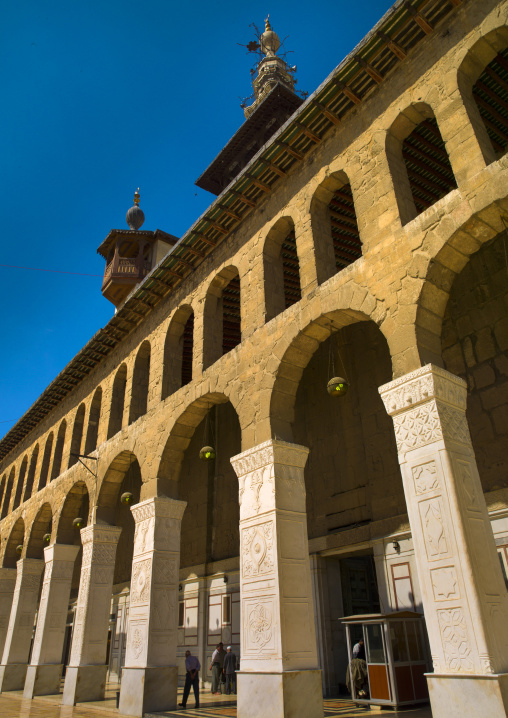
x=12, y=705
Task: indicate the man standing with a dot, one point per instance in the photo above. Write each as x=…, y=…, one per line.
x=216, y=667
x=230, y=671
x=192, y=666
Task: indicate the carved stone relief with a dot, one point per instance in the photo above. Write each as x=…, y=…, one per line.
x=445, y=584
x=425, y=477
x=260, y=625
x=416, y=428
x=431, y=513
x=140, y=582
x=455, y=639
x=257, y=550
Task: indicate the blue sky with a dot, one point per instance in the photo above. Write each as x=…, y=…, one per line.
x=99, y=98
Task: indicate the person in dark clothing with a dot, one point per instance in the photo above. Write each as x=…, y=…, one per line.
x=230, y=671
x=192, y=666
x=359, y=650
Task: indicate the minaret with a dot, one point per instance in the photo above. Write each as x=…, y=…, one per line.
x=130, y=254
x=271, y=69
x=275, y=100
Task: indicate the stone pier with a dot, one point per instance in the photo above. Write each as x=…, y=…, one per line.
x=463, y=592
x=21, y=624
x=85, y=679
x=150, y=674
x=279, y=673
x=45, y=669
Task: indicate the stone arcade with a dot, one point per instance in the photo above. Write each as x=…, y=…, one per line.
x=360, y=233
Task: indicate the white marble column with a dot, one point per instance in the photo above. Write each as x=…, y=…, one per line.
x=279, y=673
x=150, y=674
x=7, y=585
x=463, y=592
x=85, y=678
x=21, y=623
x=45, y=670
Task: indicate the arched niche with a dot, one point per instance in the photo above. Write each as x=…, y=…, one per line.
x=117, y=401
x=222, y=326
x=281, y=268
x=140, y=383
x=418, y=160
x=42, y=525
x=94, y=416
x=178, y=351
x=77, y=435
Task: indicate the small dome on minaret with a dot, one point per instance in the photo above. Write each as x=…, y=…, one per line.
x=269, y=41
x=135, y=215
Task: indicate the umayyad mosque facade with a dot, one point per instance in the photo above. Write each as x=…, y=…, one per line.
x=299, y=410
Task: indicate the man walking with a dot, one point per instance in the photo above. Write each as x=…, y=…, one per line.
x=192, y=666
x=230, y=671
x=216, y=667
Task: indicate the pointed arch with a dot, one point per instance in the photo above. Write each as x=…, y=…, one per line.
x=77, y=436
x=418, y=161
x=58, y=455
x=76, y=505
x=46, y=461
x=20, y=482
x=94, y=416
x=8, y=492
x=117, y=401
x=222, y=329
x=140, y=383
x=16, y=538
x=42, y=524
x=31, y=473
x=482, y=80
x=178, y=351
x=282, y=287
x=337, y=242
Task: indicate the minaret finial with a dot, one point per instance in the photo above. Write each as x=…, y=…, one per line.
x=135, y=215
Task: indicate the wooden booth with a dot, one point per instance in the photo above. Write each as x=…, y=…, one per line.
x=396, y=654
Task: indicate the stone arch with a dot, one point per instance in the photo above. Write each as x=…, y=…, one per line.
x=42, y=524
x=58, y=454
x=337, y=242
x=222, y=315
x=77, y=436
x=418, y=161
x=20, y=482
x=16, y=538
x=178, y=351
x=140, y=383
x=443, y=268
x=117, y=401
x=94, y=417
x=479, y=59
x=8, y=492
x=46, y=460
x=31, y=473
x=2, y=487
x=281, y=268
x=300, y=348
x=75, y=505
x=114, y=476
x=122, y=475
x=180, y=436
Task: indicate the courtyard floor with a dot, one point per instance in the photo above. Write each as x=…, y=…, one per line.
x=13, y=705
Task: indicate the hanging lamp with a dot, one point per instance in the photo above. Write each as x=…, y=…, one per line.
x=207, y=453
x=337, y=385
x=78, y=523
x=46, y=538
x=128, y=497
x=19, y=549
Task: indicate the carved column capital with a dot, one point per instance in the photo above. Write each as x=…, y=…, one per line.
x=273, y=451
x=158, y=506
x=427, y=406
x=100, y=533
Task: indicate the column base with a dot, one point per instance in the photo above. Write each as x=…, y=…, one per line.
x=292, y=694
x=84, y=683
x=468, y=696
x=12, y=676
x=148, y=689
x=43, y=680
